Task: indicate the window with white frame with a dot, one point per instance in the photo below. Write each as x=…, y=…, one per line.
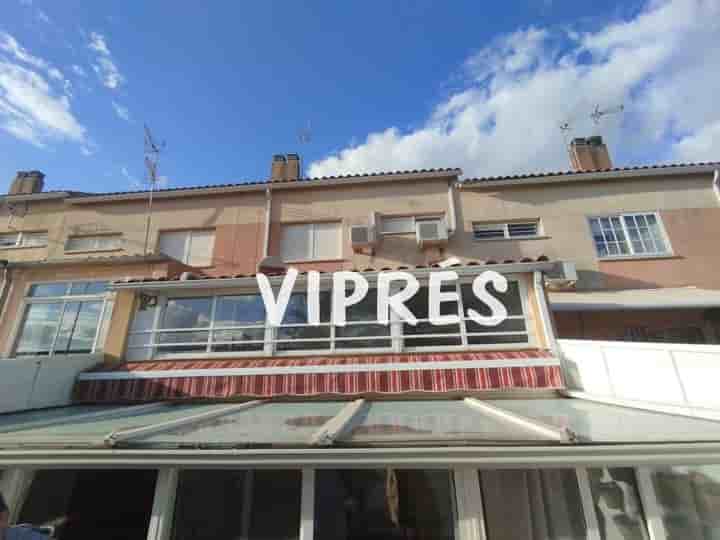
x=624, y=235
x=64, y=318
x=311, y=241
x=192, y=247
x=23, y=239
x=404, y=224
x=236, y=323
x=507, y=231
x=99, y=242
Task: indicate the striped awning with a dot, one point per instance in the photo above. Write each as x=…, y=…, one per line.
x=344, y=375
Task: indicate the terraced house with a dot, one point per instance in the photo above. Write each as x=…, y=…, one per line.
x=145, y=393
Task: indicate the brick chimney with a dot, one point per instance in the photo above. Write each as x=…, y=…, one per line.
x=285, y=167
x=587, y=154
x=27, y=182
x=278, y=167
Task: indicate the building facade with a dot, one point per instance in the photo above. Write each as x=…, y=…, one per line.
x=146, y=393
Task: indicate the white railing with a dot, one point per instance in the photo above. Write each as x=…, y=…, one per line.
x=678, y=377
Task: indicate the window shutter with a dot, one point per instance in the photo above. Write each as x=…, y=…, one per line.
x=200, y=250
x=296, y=242
x=172, y=244
x=326, y=241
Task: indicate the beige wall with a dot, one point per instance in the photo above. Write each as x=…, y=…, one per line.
x=687, y=205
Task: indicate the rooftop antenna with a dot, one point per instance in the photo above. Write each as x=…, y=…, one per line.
x=304, y=137
x=152, y=157
x=599, y=113
x=565, y=129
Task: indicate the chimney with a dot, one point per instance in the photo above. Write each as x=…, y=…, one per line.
x=285, y=167
x=27, y=182
x=278, y=167
x=293, y=167
x=587, y=154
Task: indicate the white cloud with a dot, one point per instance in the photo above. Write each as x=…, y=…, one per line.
x=31, y=110
x=663, y=65
x=122, y=112
x=11, y=46
x=43, y=17
x=78, y=70
x=104, y=67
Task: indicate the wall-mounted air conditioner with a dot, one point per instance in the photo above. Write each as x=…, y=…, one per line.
x=363, y=236
x=431, y=232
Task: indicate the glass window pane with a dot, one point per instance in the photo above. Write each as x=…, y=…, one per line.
x=296, y=243
x=231, y=504
x=249, y=339
x=88, y=287
x=48, y=289
x=187, y=313
x=392, y=225
x=34, y=239
x=688, y=498
x=511, y=299
x=239, y=310
x=200, y=250
x=174, y=244
x=617, y=504
x=297, y=311
x=39, y=329
x=327, y=241
x=79, y=505
x=188, y=338
x=532, y=504
x=379, y=504
x=9, y=240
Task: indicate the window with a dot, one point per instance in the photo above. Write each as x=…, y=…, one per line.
x=628, y=235
x=403, y=224
x=520, y=229
x=522, y=504
x=101, y=242
x=78, y=504
x=230, y=504
x=354, y=504
x=64, y=318
x=23, y=239
x=194, y=248
x=311, y=241
x=617, y=504
x=237, y=324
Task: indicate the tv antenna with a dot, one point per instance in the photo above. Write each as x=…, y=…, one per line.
x=304, y=136
x=152, y=158
x=599, y=113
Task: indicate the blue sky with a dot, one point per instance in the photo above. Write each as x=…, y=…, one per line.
x=382, y=85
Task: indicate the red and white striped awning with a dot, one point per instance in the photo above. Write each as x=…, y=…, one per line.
x=350, y=375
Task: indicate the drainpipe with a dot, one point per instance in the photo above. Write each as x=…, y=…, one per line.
x=452, y=218
x=268, y=208
x=4, y=286
x=716, y=184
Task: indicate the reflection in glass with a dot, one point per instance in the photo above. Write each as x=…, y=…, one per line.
x=187, y=313
x=383, y=504
x=39, y=329
x=532, y=505
x=617, y=504
x=689, y=501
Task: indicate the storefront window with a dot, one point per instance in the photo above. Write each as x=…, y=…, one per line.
x=227, y=505
x=689, y=501
x=91, y=504
x=384, y=504
x=617, y=504
x=532, y=505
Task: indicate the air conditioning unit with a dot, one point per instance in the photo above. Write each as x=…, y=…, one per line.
x=563, y=277
x=363, y=236
x=430, y=233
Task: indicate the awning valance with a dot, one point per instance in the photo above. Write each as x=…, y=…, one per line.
x=351, y=375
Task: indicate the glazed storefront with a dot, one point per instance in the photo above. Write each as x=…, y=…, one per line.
x=214, y=424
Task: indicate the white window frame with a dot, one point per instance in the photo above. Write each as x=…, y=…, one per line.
x=188, y=243
x=505, y=227
x=628, y=242
x=414, y=220
x=96, y=242
x=108, y=301
x=20, y=237
x=311, y=256
x=396, y=337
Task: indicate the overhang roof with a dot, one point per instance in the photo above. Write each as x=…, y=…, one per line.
x=541, y=263
x=102, y=260
x=636, y=299
x=164, y=427
x=617, y=173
